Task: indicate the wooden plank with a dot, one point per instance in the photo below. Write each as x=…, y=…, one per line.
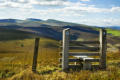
x=79, y=66
x=65, y=49
x=81, y=56
x=84, y=53
x=84, y=42
x=90, y=59
x=86, y=58
x=87, y=65
x=103, y=47
x=71, y=60
x=81, y=60
x=83, y=48
x=34, y=65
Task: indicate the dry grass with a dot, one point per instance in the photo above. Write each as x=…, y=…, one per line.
x=16, y=61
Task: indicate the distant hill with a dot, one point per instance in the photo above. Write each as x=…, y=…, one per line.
x=9, y=20
x=37, y=22
x=114, y=27
x=33, y=19
x=51, y=28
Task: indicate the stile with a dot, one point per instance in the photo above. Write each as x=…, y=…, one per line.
x=83, y=57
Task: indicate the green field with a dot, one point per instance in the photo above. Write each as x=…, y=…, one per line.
x=16, y=61
x=113, y=32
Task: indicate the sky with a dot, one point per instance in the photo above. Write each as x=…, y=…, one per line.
x=89, y=12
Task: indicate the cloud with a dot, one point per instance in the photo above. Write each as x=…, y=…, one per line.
x=101, y=22
x=19, y=1
x=111, y=21
x=115, y=9
x=15, y=4
x=92, y=9
x=51, y=3
x=65, y=5
x=58, y=9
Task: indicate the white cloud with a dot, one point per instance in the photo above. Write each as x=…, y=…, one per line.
x=92, y=9
x=49, y=3
x=59, y=9
x=15, y=4
x=115, y=9
x=101, y=22
x=66, y=5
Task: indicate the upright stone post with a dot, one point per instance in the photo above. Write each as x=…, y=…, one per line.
x=103, y=47
x=65, y=50
x=34, y=65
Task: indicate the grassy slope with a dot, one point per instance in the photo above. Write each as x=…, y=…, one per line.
x=12, y=34
x=111, y=31
x=114, y=32
x=16, y=61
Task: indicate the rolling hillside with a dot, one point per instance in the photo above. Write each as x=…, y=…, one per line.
x=30, y=28
x=17, y=48
x=49, y=28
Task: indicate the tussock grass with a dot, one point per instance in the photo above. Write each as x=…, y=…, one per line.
x=16, y=65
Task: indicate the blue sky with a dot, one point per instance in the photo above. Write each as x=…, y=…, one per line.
x=89, y=12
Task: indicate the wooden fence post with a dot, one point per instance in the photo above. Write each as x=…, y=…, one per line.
x=65, y=50
x=35, y=54
x=103, y=47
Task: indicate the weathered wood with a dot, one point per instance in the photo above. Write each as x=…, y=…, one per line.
x=88, y=59
x=87, y=65
x=84, y=54
x=72, y=60
x=84, y=48
x=34, y=65
x=82, y=59
x=84, y=42
x=103, y=48
x=65, y=50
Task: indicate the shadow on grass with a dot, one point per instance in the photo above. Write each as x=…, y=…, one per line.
x=46, y=72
